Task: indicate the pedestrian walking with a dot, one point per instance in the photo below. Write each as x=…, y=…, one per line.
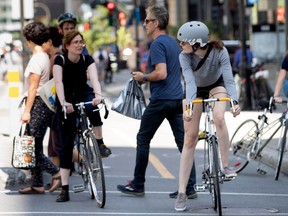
x=164, y=76
x=36, y=112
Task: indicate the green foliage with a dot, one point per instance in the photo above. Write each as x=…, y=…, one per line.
x=102, y=34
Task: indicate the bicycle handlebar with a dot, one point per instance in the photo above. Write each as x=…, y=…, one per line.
x=82, y=104
x=209, y=100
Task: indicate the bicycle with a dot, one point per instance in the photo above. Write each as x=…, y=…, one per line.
x=213, y=174
x=90, y=166
x=247, y=142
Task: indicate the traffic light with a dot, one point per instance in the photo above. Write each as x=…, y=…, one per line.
x=111, y=12
x=110, y=6
x=122, y=18
x=86, y=26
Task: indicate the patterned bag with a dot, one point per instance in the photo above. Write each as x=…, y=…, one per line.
x=23, y=155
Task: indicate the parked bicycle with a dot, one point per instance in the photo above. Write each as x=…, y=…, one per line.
x=247, y=142
x=213, y=174
x=89, y=165
x=258, y=87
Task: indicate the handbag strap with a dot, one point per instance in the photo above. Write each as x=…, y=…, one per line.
x=28, y=129
x=201, y=62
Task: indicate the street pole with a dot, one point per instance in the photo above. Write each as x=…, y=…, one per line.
x=244, y=71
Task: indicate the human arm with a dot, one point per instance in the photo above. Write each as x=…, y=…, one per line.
x=93, y=75
x=226, y=71
x=34, y=80
x=279, y=83
x=160, y=73
x=58, y=75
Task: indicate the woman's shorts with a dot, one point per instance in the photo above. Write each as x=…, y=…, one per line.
x=203, y=92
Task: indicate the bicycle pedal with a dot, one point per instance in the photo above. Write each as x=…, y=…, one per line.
x=200, y=187
x=228, y=178
x=78, y=188
x=262, y=172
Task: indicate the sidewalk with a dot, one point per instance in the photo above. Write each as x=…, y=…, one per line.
x=10, y=176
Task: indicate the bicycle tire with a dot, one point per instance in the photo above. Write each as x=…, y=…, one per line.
x=241, y=144
x=282, y=146
x=96, y=171
x=215, y=176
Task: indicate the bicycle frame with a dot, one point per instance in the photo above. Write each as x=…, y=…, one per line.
x=247, y=141
x=213, y=173
x=91, y=168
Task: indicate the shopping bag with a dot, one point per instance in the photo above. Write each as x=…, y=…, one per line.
x=23, y=154
x=131, y=101
x=48, y=94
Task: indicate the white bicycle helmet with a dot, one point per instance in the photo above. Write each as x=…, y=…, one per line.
x=193, y=32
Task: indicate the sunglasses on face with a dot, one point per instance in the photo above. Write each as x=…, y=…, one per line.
x=149, y=20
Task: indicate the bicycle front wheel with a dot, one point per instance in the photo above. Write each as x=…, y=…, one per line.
x=241, y=143
x=281, y=149
x=96, y=171
x=215, y=177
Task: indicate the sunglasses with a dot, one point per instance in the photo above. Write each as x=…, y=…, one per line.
x=149, y=20
x=182, y=43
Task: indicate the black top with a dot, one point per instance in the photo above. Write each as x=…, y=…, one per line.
x=75, y=77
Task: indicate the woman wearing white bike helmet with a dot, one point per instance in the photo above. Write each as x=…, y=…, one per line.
x=207, y=71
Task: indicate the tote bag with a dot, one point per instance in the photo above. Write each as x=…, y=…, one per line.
x=23, y=155
x=131, y=101
x=48, y=94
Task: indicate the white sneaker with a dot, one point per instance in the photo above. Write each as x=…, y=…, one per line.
x=229, y=173
x=180, y=204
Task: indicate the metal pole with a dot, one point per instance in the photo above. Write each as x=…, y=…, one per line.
x=244, y=71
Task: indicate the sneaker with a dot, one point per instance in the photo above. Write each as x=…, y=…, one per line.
x=180, y=204
x=229, y=173
x=190, y=194
x=131, y=189
x=104, y=151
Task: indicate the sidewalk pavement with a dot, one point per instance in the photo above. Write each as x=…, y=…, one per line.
x=10, y=176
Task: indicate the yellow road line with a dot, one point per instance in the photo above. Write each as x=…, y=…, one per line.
x=160, y=167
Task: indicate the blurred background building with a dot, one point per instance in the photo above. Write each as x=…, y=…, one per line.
x=237, y=20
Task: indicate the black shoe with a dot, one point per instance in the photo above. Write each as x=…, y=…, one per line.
x=190, y=194
x=63, y=196
x=104, y=151
x=131, y=189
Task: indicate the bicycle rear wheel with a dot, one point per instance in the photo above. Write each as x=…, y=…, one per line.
x=241, y=144
x=96, y=171
x=281, y=149
x=215, y=177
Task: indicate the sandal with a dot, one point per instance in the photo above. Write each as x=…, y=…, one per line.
x=30, y=190
x=56, y=183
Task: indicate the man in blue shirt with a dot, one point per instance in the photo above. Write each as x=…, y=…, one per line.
x=238, y=57
x=164, y=75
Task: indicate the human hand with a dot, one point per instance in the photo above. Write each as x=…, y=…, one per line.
x=278, y=99
x=25, y=118
x=138, y=76
x=69, y=107
x=187, y=115
x=97, y=100
x=235, y=110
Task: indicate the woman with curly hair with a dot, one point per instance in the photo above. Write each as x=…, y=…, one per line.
x=36, y=113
